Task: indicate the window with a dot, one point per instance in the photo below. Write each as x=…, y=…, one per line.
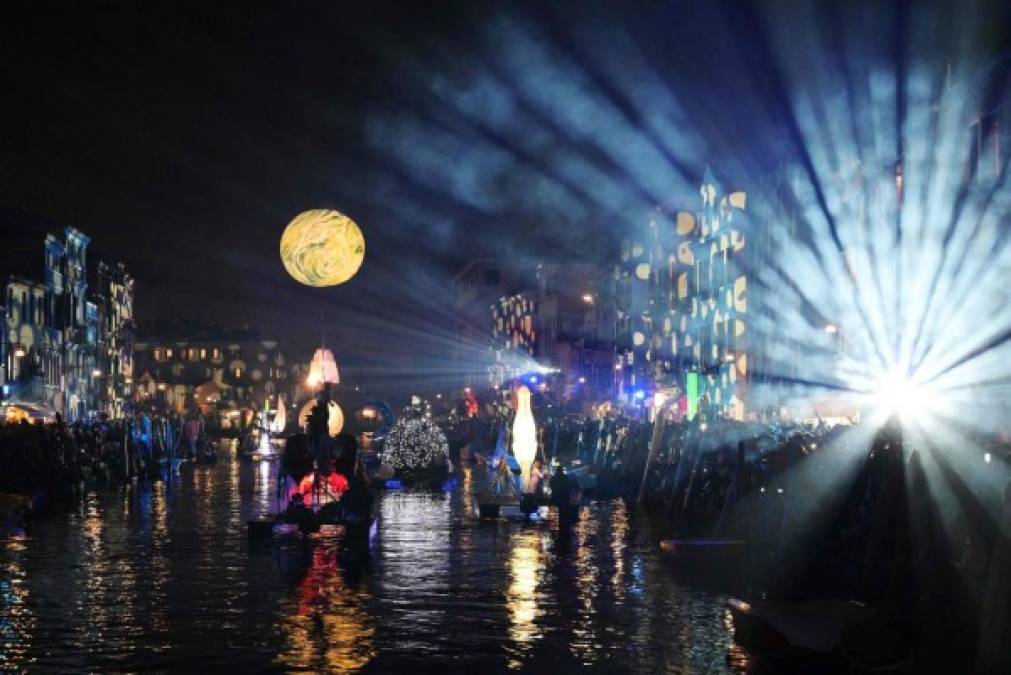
x=168, y=353
x=217, y=353
x=203, y=353
x=157, y=355
x=238, y=372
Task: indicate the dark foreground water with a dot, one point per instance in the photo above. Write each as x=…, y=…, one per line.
x=162, y=577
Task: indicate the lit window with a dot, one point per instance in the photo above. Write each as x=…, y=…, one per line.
x=157, y=355
x=203, y=353
x=168, y=353
x=217, y=353
x=238, y=372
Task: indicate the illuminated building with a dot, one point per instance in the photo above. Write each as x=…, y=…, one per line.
x=66, y=344
x=681, y=304
x=710, y=326
x=643, y=290
x=553, y=325
x=113, y=297
x=575, y=335
x=477, y=287
x=190, y=364
x=514, y=336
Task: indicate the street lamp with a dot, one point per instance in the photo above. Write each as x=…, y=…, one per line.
x=20, y=352
x=588, y=298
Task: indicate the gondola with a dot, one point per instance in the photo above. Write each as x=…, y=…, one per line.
x=260, y=444
x=825, y=635
x=329, y=512
x=705, y=554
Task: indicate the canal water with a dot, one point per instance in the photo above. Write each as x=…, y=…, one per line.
x=162, y=576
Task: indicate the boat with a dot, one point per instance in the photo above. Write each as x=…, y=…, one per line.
x=259, y=445
x=584, y=476
x=822, y=635
x=206, y=454
x=14, y=510
x=706, y=553
x=325, y=516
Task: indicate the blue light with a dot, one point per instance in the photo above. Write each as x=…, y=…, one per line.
x=533, y=379
x=393, y=485
x=639, y=394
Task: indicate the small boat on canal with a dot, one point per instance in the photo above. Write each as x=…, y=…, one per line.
x=705, y=554
x=14, y=510
x=826, y=636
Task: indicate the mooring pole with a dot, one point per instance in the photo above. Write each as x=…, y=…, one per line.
x=659, y=424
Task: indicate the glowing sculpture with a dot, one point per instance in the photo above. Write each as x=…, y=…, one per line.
x=524, y=435
x=323, y=369
x=335, y=416
x=280, y=418
x=415, y=443
x=322, y=248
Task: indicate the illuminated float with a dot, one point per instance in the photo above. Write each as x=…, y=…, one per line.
x=323, y=369
x=417, y=451
x=524, y=435
x=317, y=470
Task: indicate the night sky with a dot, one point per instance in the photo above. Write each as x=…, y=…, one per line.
x=182, y=137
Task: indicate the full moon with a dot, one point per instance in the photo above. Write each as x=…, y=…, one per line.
x=322, y=248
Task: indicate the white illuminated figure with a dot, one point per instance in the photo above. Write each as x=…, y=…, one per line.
x=280, y=418
x=524, y=435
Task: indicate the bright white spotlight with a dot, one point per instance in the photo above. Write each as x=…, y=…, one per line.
x=902, y=396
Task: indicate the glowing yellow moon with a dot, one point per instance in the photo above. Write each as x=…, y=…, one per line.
x=322, y=248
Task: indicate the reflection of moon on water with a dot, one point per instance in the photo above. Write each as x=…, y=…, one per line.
x=322, y=248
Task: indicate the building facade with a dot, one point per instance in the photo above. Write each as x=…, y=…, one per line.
x=478, y=288
x=186, y=367
x=554, y=324
x=680, y=298
x=514, y=337
x=66, y=347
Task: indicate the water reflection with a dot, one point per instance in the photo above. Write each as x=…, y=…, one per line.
x=162, y=576
x=330, y=628
x=17, y=622
x=521, y=598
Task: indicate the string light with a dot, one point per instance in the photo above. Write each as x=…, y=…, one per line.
x=415, y=444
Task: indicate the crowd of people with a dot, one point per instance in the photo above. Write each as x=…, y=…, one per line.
x=56, y=461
